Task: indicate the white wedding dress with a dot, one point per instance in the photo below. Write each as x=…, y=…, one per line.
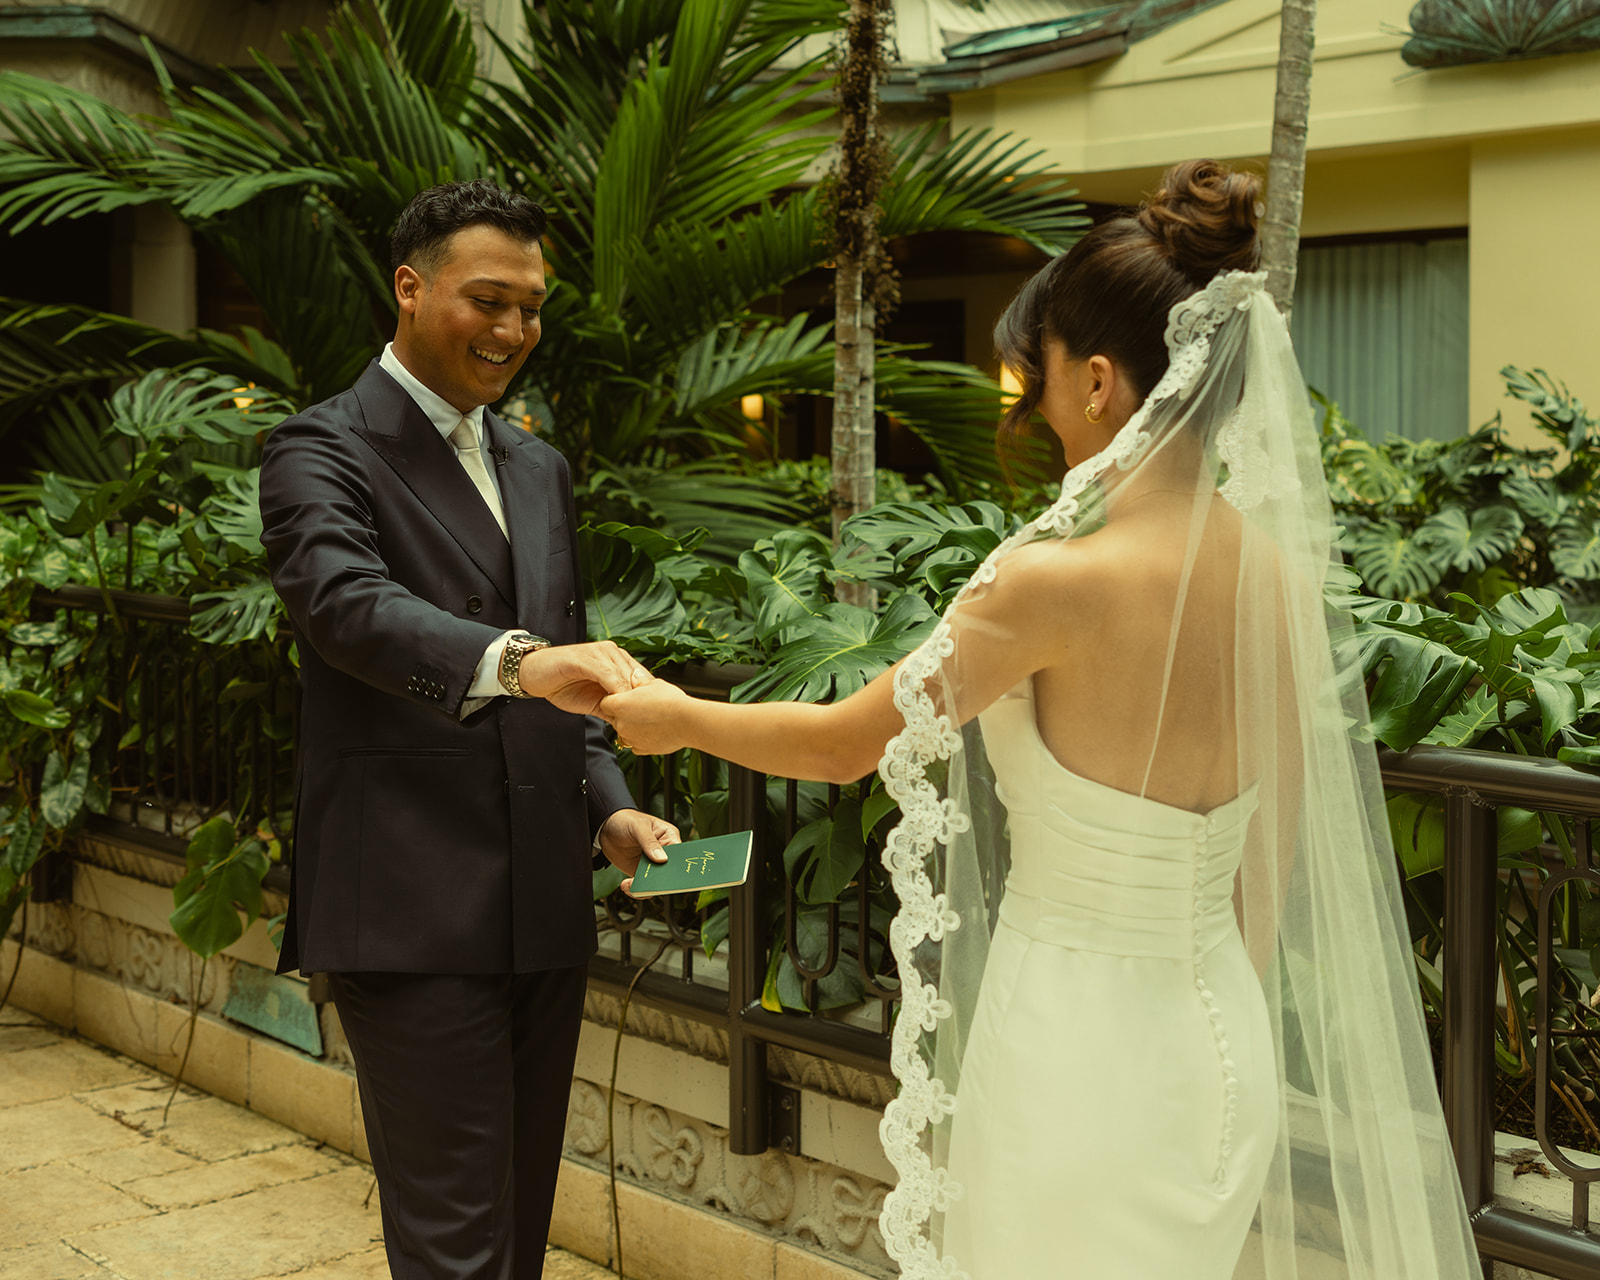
x=1119, y=1095
x=1094, y=1082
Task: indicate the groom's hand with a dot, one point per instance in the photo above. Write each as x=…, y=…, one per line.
x=575, y=677
x=629, y=834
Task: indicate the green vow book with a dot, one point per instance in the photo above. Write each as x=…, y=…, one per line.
x=694, y=865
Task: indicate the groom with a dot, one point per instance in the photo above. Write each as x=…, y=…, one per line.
x=451, y=773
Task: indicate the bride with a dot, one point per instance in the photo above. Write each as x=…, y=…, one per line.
x=1159, y=1017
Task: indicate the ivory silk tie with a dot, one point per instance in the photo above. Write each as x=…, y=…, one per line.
x=465, y=440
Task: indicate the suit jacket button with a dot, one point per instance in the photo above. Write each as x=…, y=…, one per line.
x=572, y=607
x=474, y=605
x=583, y=787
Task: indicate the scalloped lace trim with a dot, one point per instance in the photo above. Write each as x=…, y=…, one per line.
x=929, y=820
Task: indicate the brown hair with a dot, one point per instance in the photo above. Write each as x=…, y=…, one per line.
x=1111, y=292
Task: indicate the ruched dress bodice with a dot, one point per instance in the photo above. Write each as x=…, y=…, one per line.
x=1115, y=1109
x=1098, y=869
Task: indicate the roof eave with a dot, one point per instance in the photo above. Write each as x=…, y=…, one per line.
x=986, y=72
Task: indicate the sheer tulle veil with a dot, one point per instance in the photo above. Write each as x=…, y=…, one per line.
x=1362, y=1181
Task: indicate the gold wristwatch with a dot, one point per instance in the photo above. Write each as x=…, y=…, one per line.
x=518, y=646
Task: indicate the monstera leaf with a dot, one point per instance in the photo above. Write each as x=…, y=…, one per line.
x=1413, y=676
x=1575, y=546
x=236, y=613
x=1392, y=562
x=1470, y=542
x=630, y=595
x=787, y=579
x=841, y=650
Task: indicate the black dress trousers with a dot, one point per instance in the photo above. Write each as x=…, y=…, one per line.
x=464, y=1084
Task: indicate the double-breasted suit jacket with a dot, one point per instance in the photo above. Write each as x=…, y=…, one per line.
x=424, y=842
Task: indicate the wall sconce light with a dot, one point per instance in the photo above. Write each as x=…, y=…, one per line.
x=1010, y=386
x=753, y=406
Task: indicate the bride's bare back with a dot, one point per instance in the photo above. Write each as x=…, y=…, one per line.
x=1109, y=710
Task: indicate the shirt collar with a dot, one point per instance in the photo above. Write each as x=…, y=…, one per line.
x=440, y=411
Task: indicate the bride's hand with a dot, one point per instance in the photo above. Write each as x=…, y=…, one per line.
x=649, y=719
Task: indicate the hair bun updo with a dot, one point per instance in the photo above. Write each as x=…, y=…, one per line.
x=1204, y=215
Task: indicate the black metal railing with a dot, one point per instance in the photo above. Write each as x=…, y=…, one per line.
x=1474, y=785
x=764, y=930
x=191, y=730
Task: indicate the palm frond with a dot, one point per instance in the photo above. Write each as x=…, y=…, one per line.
x=733, y=362
x=295, y=253
x=978, y=181
x=755, y=255
x=680, y=150
x=69, y=154
x=57, y=364
x=953, y=409
x=736, y=507
x=432, y=41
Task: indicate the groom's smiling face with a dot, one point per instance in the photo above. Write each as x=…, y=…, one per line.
x=467, y=324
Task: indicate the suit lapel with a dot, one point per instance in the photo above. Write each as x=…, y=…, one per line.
x=525, y=491
x=404, y=437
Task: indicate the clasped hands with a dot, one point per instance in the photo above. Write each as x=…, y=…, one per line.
x=600, y=678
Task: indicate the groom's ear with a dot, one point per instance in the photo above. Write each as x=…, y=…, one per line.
x=408, y=287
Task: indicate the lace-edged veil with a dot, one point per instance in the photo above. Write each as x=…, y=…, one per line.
x=1231, y=684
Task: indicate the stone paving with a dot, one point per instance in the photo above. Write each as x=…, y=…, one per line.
x=94, y=1185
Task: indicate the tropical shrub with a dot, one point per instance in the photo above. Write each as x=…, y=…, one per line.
x=1492, y=645
x=179, y=518
x=1426, y=518
x=668, y=138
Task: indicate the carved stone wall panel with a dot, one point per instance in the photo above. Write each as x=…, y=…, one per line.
x=50, y=929
x=660, y=1028
x=153, y=962
x=128, y=859
x=806, y=1071
x=676, y=1155
x=803, y=1070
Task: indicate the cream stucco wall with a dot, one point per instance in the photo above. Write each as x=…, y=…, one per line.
x=1535, y=254
x=1510, y=151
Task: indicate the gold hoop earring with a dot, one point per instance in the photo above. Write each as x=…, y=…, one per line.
x=1089, y=413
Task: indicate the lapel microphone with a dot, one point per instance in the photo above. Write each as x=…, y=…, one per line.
x=501, y=456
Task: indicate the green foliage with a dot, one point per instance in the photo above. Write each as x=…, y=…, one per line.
x=172, y=513
x=1495, y=555
x=670, y=138
x=1424, y=519
x=223, y=878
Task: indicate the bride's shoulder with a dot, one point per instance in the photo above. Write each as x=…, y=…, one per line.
x=1051, y=572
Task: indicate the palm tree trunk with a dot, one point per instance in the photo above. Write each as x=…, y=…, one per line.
x=854, y=396
x=858, y=250
x=1286, y=170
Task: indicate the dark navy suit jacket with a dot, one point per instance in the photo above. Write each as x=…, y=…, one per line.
x=424, y=843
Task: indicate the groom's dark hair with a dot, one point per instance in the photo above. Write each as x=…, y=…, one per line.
x=422, y=233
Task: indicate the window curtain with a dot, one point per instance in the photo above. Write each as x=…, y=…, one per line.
x=1381, y=330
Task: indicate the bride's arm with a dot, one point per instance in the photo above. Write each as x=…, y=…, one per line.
x=1003, y=634
x=835, y=742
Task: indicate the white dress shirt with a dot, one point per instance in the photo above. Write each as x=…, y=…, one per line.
x=444, y=416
